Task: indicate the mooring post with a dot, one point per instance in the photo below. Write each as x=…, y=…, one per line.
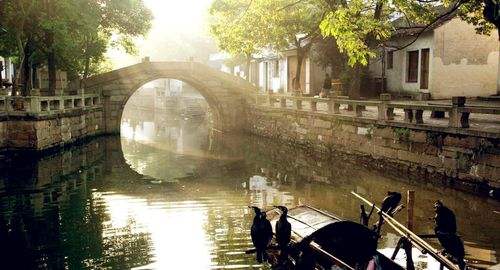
x=410, y=204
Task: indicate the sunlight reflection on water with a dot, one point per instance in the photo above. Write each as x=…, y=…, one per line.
x=169, y=195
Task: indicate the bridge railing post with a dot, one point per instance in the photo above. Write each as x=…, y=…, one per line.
x=298, y=104
x=283, y=102
x=271, y=100
x=458, y=118
x=68, y=103
x=35, y=105
x=314, y=105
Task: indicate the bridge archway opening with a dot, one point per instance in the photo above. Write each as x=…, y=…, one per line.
x=161, y=104
x=226, y=94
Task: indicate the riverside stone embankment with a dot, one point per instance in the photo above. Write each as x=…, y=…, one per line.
x=41, y=123
x=434, y=154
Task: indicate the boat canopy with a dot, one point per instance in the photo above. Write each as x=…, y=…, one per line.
x=349, y=241
x=306, y=220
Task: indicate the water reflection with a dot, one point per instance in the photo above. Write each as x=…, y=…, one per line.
x=172, y=195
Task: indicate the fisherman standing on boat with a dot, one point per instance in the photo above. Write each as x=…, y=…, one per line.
x=261, y=233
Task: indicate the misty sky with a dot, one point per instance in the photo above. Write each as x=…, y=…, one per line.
x=178, y=31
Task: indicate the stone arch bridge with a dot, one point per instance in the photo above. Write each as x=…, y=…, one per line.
x=225, y=94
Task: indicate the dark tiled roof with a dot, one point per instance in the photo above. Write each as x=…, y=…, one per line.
x=404, y=28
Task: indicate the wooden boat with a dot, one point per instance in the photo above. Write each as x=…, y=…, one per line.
x=325, y=241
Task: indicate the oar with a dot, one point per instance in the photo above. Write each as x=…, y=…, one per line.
x=415, y=239
x=319, y=249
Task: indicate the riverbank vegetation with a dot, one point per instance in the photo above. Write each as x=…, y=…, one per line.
x=71, y=35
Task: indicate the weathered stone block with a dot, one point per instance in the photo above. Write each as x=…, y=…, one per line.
x=399, y=145
x=349, y=128
x=322, y=124
x=384, y=152
x=301, y=130
x=387, y=133
x=489, y=159
x=305, y=121
x=418, y=136
x=466, y=142
x=409, y=156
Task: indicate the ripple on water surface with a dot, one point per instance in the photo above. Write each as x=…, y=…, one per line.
x=161, y=204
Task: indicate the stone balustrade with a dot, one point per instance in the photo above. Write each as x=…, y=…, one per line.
x=458, y=112
x=47, y=105
x=3, y=105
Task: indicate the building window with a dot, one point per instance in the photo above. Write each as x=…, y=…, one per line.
x=412, y=67
x=424, y=68
x=390, y=59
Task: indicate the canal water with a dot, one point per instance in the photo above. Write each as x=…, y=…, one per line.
x=171, y=194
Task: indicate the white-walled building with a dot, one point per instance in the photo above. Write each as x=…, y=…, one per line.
x=8, y=69
x=449, y=59
x=276, y=72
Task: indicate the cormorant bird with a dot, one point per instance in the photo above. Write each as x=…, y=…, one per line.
x=261, y=233
x=390, y=202
x=446, y=233
x=283, y=232
x=444, y=218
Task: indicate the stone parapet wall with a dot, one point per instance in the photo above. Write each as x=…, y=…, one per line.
x=464, y=161
x=41, y=133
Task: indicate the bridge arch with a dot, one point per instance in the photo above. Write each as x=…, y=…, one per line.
x=225, y=94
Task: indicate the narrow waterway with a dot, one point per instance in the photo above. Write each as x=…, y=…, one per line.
x=171, y=194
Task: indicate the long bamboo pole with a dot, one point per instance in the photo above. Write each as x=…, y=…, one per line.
x=414, y=239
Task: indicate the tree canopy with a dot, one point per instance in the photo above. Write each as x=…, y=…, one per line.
x=358, y=26
x=77, y=33
x=361, y=26
x=234, y=29
x=245, y=27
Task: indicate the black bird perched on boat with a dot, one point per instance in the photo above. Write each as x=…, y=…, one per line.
x=446, y=233
x=283, y=232
x=444, y=218
x=261, y=233
x=390, y=202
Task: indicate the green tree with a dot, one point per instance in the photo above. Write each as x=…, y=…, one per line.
x=234, y=25
x=362, y=27
x=326, y=53
x=58, y=33
x=17, y=18
x=293, y=25
x=245, y=27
